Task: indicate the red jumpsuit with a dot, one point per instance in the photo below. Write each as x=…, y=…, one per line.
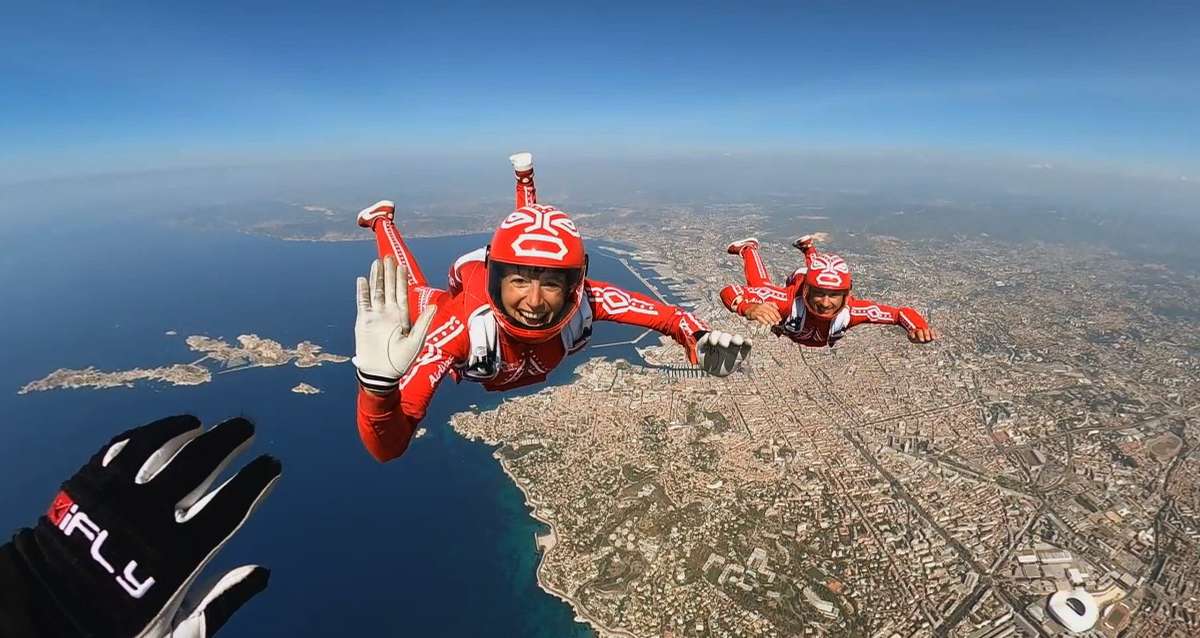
x=799, y=325
x=465, y=341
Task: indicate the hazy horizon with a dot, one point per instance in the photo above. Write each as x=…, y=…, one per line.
x=572, y=179
x=129, y=87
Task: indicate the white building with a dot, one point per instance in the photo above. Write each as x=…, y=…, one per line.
x=1076, y=610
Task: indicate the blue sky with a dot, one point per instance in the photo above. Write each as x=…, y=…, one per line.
x=92, y=88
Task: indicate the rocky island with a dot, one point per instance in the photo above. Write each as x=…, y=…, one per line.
x=250, y=351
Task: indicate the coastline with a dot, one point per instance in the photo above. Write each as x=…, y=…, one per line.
x=493, y=548
x=346, y=237
x=581, y=612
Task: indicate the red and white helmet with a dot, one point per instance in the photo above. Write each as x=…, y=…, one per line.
x=826, y=271
x=537, y=236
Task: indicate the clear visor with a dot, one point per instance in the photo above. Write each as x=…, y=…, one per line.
x=823, y=301
x=533, y=297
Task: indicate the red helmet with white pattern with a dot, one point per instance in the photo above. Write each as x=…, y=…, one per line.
x=532, y=240
x=826, y=271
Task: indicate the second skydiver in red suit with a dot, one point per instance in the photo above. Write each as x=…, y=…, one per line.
x=513, y=311
x=815, y=307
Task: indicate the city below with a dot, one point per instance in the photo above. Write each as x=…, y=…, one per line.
x=1029, y=471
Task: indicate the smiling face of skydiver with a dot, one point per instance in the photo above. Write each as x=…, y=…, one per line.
x=533, y=297
x=822, y=302
x=542, y=246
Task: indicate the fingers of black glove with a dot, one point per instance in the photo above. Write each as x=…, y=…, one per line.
x=187, y=476
x=230, y=593
x=218, y=514
x=128, y=451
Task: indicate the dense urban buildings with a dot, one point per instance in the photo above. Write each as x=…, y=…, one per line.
x=879, y=488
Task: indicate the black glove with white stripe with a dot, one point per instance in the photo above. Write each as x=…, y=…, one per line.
x=122, y=543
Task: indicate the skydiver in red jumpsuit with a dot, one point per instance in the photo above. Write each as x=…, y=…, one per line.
x=512, y=312
x=815, y=307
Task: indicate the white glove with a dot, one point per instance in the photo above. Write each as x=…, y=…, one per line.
x=721, y=353
x=384, y=343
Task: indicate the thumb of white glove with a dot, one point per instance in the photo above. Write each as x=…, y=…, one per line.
x=721, y=353
x=385, y=344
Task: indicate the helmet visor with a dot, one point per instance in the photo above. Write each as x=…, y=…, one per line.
x=824, y=302
x=534, y=297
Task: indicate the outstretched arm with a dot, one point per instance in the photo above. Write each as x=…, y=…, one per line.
x=611, y=303
x=867, y=311
x=716, y=352
x=767, y=305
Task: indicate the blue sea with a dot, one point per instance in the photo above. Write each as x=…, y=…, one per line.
x=437, y=543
